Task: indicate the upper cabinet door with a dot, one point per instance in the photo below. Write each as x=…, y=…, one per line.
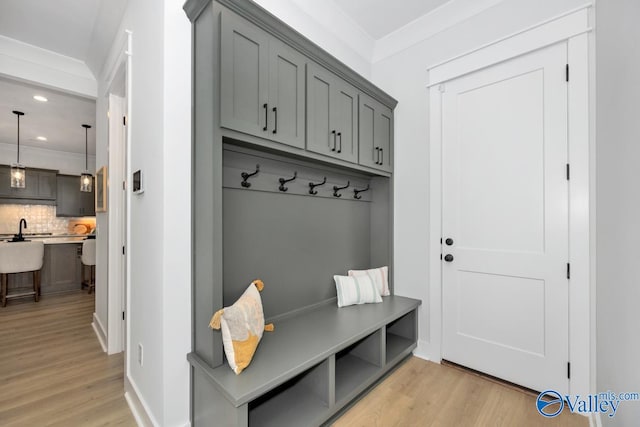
x=321, y=137
x=47, y=184
x=244, y=76
x=376, y=134
x=332, y=115
x=286, y=95
x=345, y=120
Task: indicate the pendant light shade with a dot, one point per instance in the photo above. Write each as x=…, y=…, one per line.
x=18, y=172
x=86, y=179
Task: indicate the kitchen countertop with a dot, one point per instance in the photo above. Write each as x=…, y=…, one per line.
x=57, y=239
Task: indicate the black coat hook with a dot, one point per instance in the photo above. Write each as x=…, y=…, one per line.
x=336, y=189
x=245, y=176
x=312, y=186
x=284, y=181
x=356, y=192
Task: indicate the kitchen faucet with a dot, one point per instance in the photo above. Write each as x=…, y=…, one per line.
x=22, y=221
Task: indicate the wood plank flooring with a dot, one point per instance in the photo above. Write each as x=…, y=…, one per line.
x=53, y=371
x=424, y=394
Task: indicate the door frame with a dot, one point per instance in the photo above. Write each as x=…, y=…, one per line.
x=572, y=28
x=118, y=85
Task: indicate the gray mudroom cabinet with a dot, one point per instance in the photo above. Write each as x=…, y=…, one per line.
x=262, y=81
x=293, y=167
x=332, y=115
x=375, y=133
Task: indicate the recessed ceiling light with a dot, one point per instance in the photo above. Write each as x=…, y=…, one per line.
x=41, y=138
x=40, y=98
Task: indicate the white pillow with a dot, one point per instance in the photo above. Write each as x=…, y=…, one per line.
x=379, y=276
x=356, y=290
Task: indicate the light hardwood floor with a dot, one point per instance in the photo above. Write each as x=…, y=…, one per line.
x=422, y=393
x=53, y=371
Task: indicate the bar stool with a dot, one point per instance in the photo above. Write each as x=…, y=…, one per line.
x=20, y=257
x=89, y=260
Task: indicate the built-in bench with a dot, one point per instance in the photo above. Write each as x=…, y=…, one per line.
x=313, y=364
x=292, y=184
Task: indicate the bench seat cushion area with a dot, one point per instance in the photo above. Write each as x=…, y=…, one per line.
x=333, y=354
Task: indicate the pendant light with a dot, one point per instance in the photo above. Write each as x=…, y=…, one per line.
x=18, y=172
x=86, y=179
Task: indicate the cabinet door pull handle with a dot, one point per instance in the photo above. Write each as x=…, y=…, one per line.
x=275, y=112
x=377, y=155
x=334, y=140
x=381, y=156
x=340, y=146
x=266, y=116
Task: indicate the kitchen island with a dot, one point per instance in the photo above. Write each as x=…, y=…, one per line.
x=61, y=268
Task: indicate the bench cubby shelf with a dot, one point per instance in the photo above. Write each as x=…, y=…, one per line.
x=315, y=363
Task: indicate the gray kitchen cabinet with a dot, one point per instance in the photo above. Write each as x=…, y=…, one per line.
x=375, y=132
x=40, y=186
x=71, y=202
x=262, y=84
x=332, y=115
x=61, y=268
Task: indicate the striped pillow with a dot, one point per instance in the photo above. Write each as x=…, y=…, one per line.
x=379, y=276
x=356, y=290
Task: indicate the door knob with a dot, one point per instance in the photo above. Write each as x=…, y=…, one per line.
x=448, y=257
x=449, y=241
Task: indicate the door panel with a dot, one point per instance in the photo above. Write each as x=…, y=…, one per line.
x=345, y=117
x=319, y=86
x=383, y=138
x=244, y=76
x=505, y=205
x=286, y=94
x=375, y=133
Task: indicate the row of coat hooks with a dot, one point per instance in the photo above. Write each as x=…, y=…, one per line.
x=312, y=186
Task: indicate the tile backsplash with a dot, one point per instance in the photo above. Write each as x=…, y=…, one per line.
x=40, y=219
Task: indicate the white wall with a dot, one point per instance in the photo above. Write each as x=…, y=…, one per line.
x=177, y=213
x=329, y=27
x=404, y=76
x=618, y=206
x=102, y=225
x=159, y=247
x=33, y=157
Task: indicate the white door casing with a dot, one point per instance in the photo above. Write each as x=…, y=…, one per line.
x=505, y=206
x=574, y=28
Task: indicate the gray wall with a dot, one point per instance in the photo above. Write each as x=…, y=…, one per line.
x=618, y=205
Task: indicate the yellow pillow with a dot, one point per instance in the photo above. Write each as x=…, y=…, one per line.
x=242, y=325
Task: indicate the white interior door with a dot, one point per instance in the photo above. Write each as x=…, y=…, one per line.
x=505, y=207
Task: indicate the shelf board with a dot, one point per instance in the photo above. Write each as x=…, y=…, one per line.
x=294, y=406
x=397, y=345
x=352, y=375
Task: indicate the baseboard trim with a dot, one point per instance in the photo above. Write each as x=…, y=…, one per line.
x=100, y=333
x=137, y=405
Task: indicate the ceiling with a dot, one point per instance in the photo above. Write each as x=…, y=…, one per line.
x=59, y=119
x=379, y=18
x=80, y=29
